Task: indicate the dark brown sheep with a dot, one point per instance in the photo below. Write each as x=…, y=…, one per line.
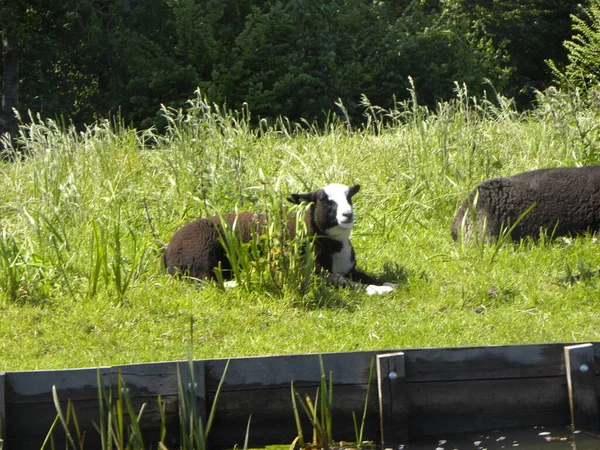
x=561, y=201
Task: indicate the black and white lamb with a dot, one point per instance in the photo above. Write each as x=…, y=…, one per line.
x=195, y=249
x=563, y=201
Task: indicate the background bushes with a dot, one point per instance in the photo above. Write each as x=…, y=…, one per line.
x=296, y=58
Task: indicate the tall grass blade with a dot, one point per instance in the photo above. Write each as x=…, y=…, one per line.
x=12, y=268
x=48, y=436
x=506, y=233
x=61, y=417
x=326, y=390
x=118, y=426
x=71, y=414
x=162, y=407
x=247, y=435
x=102, y=426
x=294, y=442
x=135, y=431
x=194, y=433
x=213, y=408
x=359, y=432
x=313, y=416
x=300, y=436
x=98, y=259
x=62, y=266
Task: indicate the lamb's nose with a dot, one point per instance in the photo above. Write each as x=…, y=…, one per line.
x=349, y=215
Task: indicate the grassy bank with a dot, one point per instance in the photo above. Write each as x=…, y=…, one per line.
x=84, y=216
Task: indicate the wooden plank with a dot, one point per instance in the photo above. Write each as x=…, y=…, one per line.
x=36, y=386
x=448, y=390
x=435, y=408
x=30, y=405
x=32, y=409
x=261, y=387
x=30, y=419
x=3, y=410
x=273, y=418
x=393, y=405
x=476, y=363
x=430, y=364
x=463, y=406
x=461, y=363
x=142, y=379
x=279, y=371
x=147, y=380
x=583, y=398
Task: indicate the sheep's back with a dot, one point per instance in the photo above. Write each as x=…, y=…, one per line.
x=195, y=249
x=567, y=200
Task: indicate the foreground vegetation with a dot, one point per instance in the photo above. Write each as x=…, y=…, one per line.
x=85, y=215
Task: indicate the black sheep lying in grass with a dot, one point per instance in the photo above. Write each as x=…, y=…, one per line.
x=195, y=250
x=559, y=201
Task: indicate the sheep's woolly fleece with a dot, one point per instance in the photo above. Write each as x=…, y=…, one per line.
x=558, y=201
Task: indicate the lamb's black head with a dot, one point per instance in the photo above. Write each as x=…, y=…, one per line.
x=332, y=212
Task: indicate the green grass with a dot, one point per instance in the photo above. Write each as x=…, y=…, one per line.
x=84, y=216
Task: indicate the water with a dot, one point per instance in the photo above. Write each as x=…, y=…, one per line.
x=542, y=438
x=535, y=438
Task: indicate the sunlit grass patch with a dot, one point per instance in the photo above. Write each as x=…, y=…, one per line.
x=84, y=216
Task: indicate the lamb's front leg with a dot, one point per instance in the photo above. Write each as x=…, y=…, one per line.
x=369, y=284
x=373, y=286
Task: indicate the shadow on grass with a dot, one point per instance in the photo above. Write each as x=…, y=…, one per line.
x=394, y=273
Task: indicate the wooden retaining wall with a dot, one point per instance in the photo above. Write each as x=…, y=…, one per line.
x=415, y=393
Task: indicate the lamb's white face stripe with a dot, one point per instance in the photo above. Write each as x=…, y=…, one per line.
x=339, y=194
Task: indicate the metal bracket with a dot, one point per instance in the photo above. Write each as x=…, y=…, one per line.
x=583, y=398
x=393, y=405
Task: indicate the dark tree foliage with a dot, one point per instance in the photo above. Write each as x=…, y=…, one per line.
x=583, y=69
x=17, y=22
x=532, y=32
x=54, y=76
x=84, y=59
x=296, y=58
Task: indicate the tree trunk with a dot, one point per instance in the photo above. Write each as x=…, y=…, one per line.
x=10, y=84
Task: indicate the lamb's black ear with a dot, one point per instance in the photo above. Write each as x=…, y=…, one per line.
x=353, y=190
x=299, y=198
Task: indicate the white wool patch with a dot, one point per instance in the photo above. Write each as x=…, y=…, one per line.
x=341, y=262
x=373, y=289
x=339, y=194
